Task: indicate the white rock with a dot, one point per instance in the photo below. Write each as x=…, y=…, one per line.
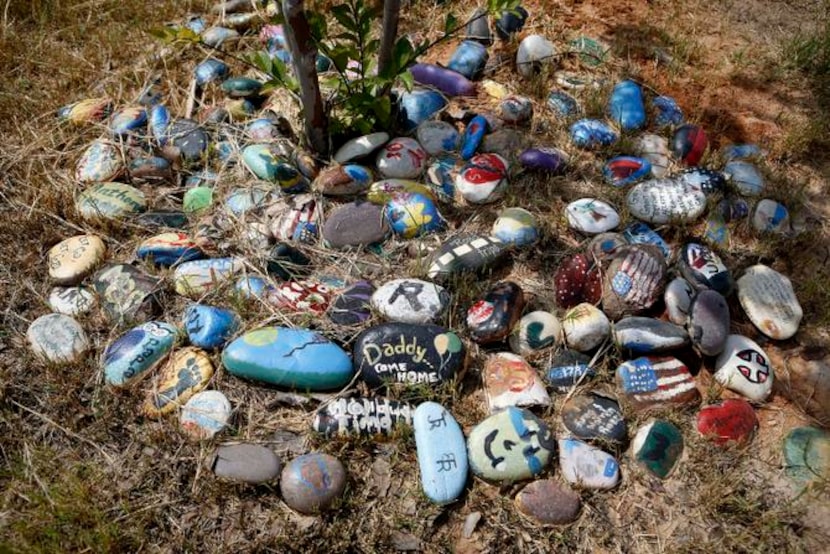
x=437, y=137
x=72, y=301
x=587, y=466
x=57, y=338
x=205, y=414
x=665, y=200
x=534, y=51
x=678, y=299
x=360, y=146
x=769, y=301
x=745, y=368
x=771, y=217
x=410, y=300
x=585, y=327
x=655, y=149
x=536, y=330
x=592, y=216
x=401, y=158
x=510, y=381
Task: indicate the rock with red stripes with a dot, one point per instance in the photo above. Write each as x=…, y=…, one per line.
x=689, y=144
x=634, y=280
x=655, y=383
x=577, y=280
x=732, y=420
x=483, y=179
x=745, y=368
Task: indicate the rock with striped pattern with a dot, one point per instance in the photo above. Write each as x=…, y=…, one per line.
x=654, y=383
x=634, y=280
x=465, y=253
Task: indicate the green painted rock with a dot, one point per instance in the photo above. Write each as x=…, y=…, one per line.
x=197, y=199
x=241, y=87
x=110, y=201
x=657, y=446
x=807, y=454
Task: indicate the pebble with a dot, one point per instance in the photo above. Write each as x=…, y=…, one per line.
x=807, y=455
x=72, y=301
x=661, y=201
x=137, y=351
x=473, y=135
x=300, y=296
x=745, y=368
x=689, y=144
x=703, y=269
x=769, y=301
x=770, y=216
x=633, y=281
x=709, y=322
x=654, y=149
x=594, y=417
x=385, y=190
x=188, y=139
x=186, y=372
x=205, y=414
x=246, y=463
x=604, y=245
x=162, y=218
x=313, y=482
x=515, y=109
x=209, y=327
x=465, y=253
x=668, y=113
x=241, y=87
x=516, y=226
x=362, y=416
x=548, y=503
x=577, y=280
x=125, y=293
x=511, y=22
x=411, y=300
x=209, y=71
x=355, y=224
x=543, y=158
x=657, y=447
x=563, y=104
x=592, y=133
x=217, y=36
x=168, y=249
x=625, y=170
x=295, y=218
x=646, y=335
x=654, y=383
x=741, y=151
x=101, y=161
x=707, y=181
x=510, y=381
x=478, y=27
x=110, y=201
x=360, y=147
x=534, y=52
x=592, y=216
x=197, y=200
x=746, y=177
x=567, y=369
x=678, y=299
x=492, y=318
x=419, y=105
x=287, y=262
x=585, y=327
x=353, y=306
x=468, y=59
x=127, y=120
x=198, y=277
x=483, y=179
x=732, y=420
x=442, y=453
x=626, y=107
x=411, y=214
x=640, y=233
x=57, y=338
x=437, y=137
x=401, y=158
x=586, y=466
x=536, y=331
x=72, y=259
x=89, y=110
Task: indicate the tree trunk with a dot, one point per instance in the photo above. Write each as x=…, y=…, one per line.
x=304, y=56
x=391, y=12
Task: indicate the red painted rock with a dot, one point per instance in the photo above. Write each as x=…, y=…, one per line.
x=689, y=144
x=301, y=296
x=492, y=318
x=577, y=280
x=731, y=420
x=652, y=383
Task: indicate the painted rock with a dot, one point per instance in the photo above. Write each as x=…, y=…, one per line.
x=733, y=209
x=511, y=22
x=101, y=161
x=355, y=224
x=567, y=369
x=381, y=192
x=507, y=142
x=605, y=245
x=586, y=466
x=186, y=372
x=301, y=296
x=241, y=87
x=577, y=280
x=468, y=58
x=657, y=383
x=445, y=80
x=516, y=226
x=535, y=51
x=441, y=176
x=296, y=218
x=634, y=280
x=590, y=51
x=464, y=253
x=703, y=269
x=585, y=327
x=473, y=134
x=516, y=109
x=807, y=454
x=510, y=381
x=125, y=292
x=745, y=368
x=74, y=258
x=741, y=152
x=72, y=301
x=646, y=335
x=209, y=71
x=746, y=177
x=592, y=216
x=162, y=218
x=510, y=445
x=168, y=249
x=548, y=503
x=209, y=327
x=640, y=233
x=294, y=358
x=252, y=287
x=592, y=133
x=128, y=120
x=732, y=420
x=655, y=149
x=483, y=179
x=770, y=216
x=550, y=160
x=689, y=143
x=217, y=36
x=492, y=318
x=137, y=351
x=563, y=104
x=401, y=158
x=287, y=262
x=626, y=107
x=57, y=338
x=419, y=105
x=626, y=170
x=442, y=453
x=360, y=146
x=110, y=201
x=159, y=122
x=242, y=201
x=716, y=232
x=667, y=112
x=353, y=306
x=437, y=137
x=707, y=181
x=205, y=414
x=247, y=463
x=594, y=417
x=313, y=482
x=678, y=300
x=412, y=214
x=362, y=416
x=89, y=110
x=536, y=331
x=408, y=353
x=478, y=27
x=662, y=201
x=198, y=277
x=657, y=447
x=189, y=139
x=769, y=301
x=197, y=200
x=708, y=322
x=150, y=169
x=411, y=300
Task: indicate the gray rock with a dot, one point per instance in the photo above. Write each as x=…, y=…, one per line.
x=708, y=323
x=355, y=224
x=247, y=463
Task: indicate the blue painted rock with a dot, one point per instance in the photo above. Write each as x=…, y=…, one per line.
x=655, y=149
x=478, y=27
x=625, y=106
x=657, y=447
x=110, y=201
x=72, y=301
x=217, y=36
x=586, y=466
x=492, y=318
x=732, y=420
x=662, y=201
x=353, y=306
x=241, y=87
x=246, y=463
x=591, y=133
x=437, y=137
x=708, y=322
x=770, y=216
x=355, y=224
x=468, y=58
x=465, y=253
x=169, y=249
x=591, y=216
x=447, y=81
x=536, y=331
x=594, y=417
x=209, y=327
x=362, y=416
x=127, y=121
x=264, y=161
x=689, y=144
x=568, y=369
x=741, y=152
x=137, y=351
x=577, y=280
x=441, y=176
x=89, y=110
x=562, y=104
x=746, y=177
x=770, y=302
x=411, y=300
x=205, y=414
x=311, y=483
x=360, y=146
x=295, y=217
x=72, y=259
x=125, y=292
x=287, y=262
x=640, y=233
x=633, y=281
x=511, y=22
x=150, y=169
x=548, y=503
x=418, y=105
x=57, y=338
x=101, y=161
x=159, y=121
x=657, y=383
x=209, y=71
x=708, y=181
x=198, y=277
x=626, y=170
x=442, y=453
x=516, y=109
x=585, y=327
x=646, y=335
x=510, y=381
x=551, y=160
x=401, y=158
x=745, y=368
x=667, y=112
x=412, y=214
x=716, y=232
x=186, y=372
x=511, y=445
x=301, y=296
x=188, y=139
x=483, y=179
x=516, y=226
x=294, y=358
x=473, y=134
x=703, y=269
x=807, y=455
x=408, y=353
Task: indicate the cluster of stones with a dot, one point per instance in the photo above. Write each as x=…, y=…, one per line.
x=656, y=298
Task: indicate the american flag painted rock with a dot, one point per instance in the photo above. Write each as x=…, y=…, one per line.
x=634, y=280
x=654, y=382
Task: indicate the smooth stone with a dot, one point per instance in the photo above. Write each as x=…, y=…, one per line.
x=657, y=383
x=125, y=292
x=587, y=466
x=136, y=352
x=127, y=120
x=72, y=259
x=577, y=280
x=301, y=296
x=594, y=416
x=640, y=233
x=408, y=353
x=209, y=71
x=401, y=158
x=770, y=216
x=295, y=218
x=732, y=420
x=478, y=27
x=510, y=381
x=507, y=142
x=209, y=327
x=511, y=22
x=465, y=253
x=536, y=331
x=516, y=109
x=252, y=287
x=634, y=280
x=354, y=305
x=585, y=327
x=242, y=201
x=445, y=80
x=441, y=176
x=741, y=152
x=689, y=143
x=72, y=301
x=567, y=369
x=287, y=262
x=110, y=201
x=101, y=161
x=548, y=503
x=704, y=269
x=592, y=216
x=657, y=447
x=313, y=482
x=197, y=200
x=655, y=149
x=188, y=139
x=707, y=181
x=626, y=170
x=293, y=358
x=493, y=317
x=468, y=59
x=241, y=87
x=769, y=301
x=168, y=249
x=247, y=463
x=57, y=338
x=186, y=372
x=563, y=104
x=483, y=178
x=150, y=169
x=163, y=218
x=159, y=123
x=646, y=335
x=205, y=414
x=84, y=111
x=745, y=368
x=473, y=135
x=668, y=113
x=355, y=224
x=419, y=105
x=360, y=146
x=662, y=201
x=626, y=107
x=261, y=160
x=442, y=453
x=550, y=160
x=516, y=226
x=437, y=137
x=362, y=416
x=217, y=36
x=605, y=245
x=807, y=455
x=511, y=445
x=412, y=214
x=198, y=277
x=592, y=133
x=746, y=177
x=411, y=300
x=381, y=192
x=709, y=322
x=678, y=299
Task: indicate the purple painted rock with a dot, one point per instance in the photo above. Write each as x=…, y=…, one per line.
x=353, y=306
x=492, y=318
x=577, y=280
x=689, y=144
x=732, y=420
x=657, y=383
x=447, y=81
x=355, y=224
x=635, y=279
x=551, y=160
x=708, y=322
x=549, y=503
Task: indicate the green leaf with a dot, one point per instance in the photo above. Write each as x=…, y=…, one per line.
x=451, y=24
x=343, y=16
x=407, y=79
x=318, y=26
